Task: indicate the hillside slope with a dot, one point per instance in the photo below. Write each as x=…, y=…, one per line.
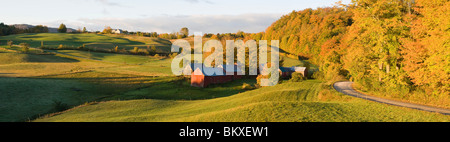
x=91, y=41
x=299, y=102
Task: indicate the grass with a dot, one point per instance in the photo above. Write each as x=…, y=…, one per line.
x=91, y=41
x=418, y=97
x=293, y=102
x=58, y=81
x=131, y=64
x=162, y=45
x=180, y=89
x=25, y=98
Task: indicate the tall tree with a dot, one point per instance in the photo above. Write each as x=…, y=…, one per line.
x=184, y=32
x=427, y=52
x=84, y=30
x=374, y=41
x=108, y=30
x=62, y=28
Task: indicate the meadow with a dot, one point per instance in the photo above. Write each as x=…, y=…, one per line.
x=287, y=102
x=89, y=40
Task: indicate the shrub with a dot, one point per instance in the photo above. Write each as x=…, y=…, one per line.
x=10, y=43
x=116, y=49
x=25, y=47
x=136, y=50
x=60, y=46
x=81, y=47
x=153, y=49
x=173, y=55
x=258, y=80
x=247, y=86
x=297, y=77
x=145, y=52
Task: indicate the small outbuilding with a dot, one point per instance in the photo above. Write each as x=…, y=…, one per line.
x=302, y=70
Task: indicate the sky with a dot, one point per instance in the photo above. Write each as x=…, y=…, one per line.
x=162, y=16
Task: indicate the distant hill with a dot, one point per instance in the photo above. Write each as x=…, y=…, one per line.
x=50, y=29
x=305, y=32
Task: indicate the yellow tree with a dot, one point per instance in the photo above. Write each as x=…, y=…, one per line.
x=374, y=42
x=427, y=53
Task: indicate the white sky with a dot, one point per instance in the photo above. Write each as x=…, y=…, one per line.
x=207, y=16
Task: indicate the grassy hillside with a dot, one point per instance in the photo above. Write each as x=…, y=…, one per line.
x=303, y=101
x=51, y=83
x=91, y=41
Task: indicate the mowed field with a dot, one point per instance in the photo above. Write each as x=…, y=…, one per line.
x=35, y=85
x=287, y=102
x=73, y=85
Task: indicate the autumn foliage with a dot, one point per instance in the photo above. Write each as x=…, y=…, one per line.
x=399, y=45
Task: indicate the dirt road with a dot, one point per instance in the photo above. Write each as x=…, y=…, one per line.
x=346, y=88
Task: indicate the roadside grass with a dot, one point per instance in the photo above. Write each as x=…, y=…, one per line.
x=418, y=97
x=290, y=101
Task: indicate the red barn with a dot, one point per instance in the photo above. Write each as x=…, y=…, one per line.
x=235, y=70
x=200, y=77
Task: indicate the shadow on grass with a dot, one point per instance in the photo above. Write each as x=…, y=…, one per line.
x=49, y=58
x=163, y=88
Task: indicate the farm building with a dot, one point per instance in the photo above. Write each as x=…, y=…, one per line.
x=302, y=70
x=199, y=78
x=190, y=68
x=117, y=31
x=286, y=72
x=235, y=70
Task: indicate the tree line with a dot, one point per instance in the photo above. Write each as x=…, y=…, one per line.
x=399, y=45
x=9, y=29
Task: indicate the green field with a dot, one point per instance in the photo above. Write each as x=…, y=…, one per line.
x=288, y=102
x=74, y=81
x=91, y=41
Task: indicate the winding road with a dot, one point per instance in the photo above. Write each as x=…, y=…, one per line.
x=346, y=88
